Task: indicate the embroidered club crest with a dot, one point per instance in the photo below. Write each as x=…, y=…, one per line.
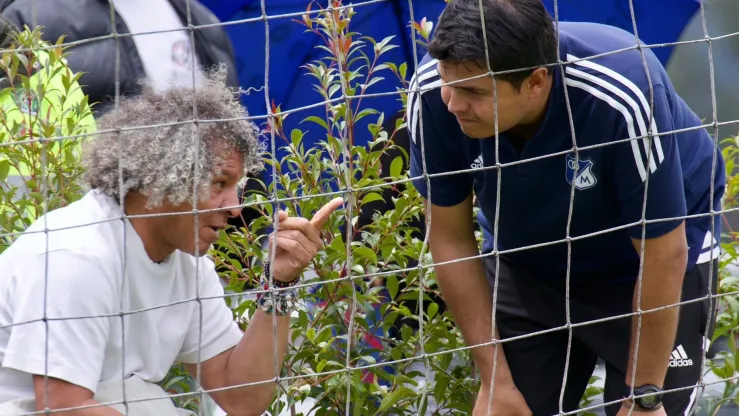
x=581, y=173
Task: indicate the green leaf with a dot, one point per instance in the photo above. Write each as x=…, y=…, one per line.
x=334, y=89
x=373, y=81
x=387, y=48
x=382, y=44
x=432, y=310
x=4, y=170
x=402, y=379
x=369, y=197
x=296, y=136
x=337, y=245
x=381, y=119
x=320, y=366
x=311, y=334
x=367, y=254
x=381, y=67
x=324, y=335
x=359, y=407
x=367, y=359
x=396, y=167
x=394, y=397
x=321, y=122
x=440, y=389
x=391, y=282
x=364, y=113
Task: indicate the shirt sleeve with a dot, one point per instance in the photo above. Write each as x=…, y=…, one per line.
x=62, y=308
x=213, y=329
x=439, y=155
x=661, y=174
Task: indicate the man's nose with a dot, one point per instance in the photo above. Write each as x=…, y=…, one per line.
x=231, y=204
x=456, y=104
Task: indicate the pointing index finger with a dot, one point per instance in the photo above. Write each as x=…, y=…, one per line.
x=323, y=214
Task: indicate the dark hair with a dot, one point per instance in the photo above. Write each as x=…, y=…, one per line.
x=519, y=33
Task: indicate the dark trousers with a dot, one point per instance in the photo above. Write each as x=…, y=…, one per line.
x=526, y=304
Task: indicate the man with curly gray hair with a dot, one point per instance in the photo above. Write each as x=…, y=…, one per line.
x=115, y=288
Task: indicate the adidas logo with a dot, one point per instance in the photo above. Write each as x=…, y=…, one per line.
x=477, y=163
x=679, y=358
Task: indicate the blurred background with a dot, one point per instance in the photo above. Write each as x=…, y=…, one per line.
x=658, y=22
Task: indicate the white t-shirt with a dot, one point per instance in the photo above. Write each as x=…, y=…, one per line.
x=76, y=270
x=167, y=56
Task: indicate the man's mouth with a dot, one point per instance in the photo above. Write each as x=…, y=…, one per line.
x=215, y=229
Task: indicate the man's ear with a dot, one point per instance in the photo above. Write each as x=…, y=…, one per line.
x=536, y=82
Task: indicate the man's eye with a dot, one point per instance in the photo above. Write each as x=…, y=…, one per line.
x=467, y=91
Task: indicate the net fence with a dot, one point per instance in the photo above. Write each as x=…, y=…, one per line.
x=339, y=380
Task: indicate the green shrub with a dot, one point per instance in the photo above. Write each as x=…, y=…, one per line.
x=725, y=365
x=329, y=338
x=42, y=104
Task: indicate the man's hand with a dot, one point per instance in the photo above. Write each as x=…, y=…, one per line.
x=468, y=295
x=507, y=400
x=254, y=359
x=625, y=411
x=298, y=241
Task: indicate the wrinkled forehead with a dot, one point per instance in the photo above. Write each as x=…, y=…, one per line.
x=462, y=74
x=228, y=157
x=463, y=69
x=229, y=162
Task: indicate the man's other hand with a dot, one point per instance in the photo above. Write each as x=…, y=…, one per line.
x=626, y=410
x=507, y=401
x=298, y=240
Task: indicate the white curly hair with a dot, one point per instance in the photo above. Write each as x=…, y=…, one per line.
x=160, y=162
